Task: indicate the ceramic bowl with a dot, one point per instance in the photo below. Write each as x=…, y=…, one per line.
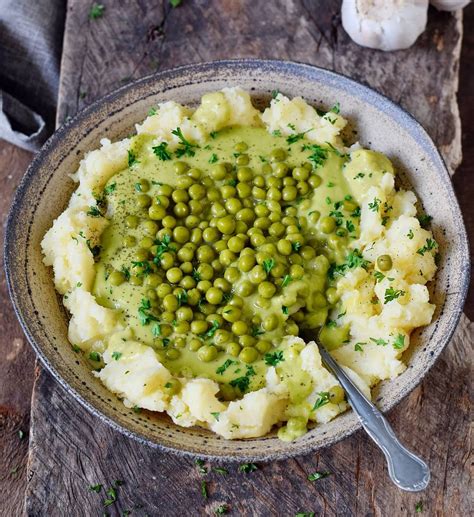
x=45, y=190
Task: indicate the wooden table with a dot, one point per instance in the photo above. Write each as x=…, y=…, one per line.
x=69, y=450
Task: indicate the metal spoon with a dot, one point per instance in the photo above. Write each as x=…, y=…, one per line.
x=407, y=471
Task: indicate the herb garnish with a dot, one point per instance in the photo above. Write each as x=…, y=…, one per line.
x=94, y=356
x=144, y=316
x=161, y=151
x=286, y=280
x=318, y=475
x=392, y=294
x=132, y=158
x=204, y=489
x=358, y=346
x=116, y=355
x=248, y=467
x=410, y=234
x=284, y=309
x=430, y=245
x=272, y=359
x=94, y=212
x=224, y=366
x=96, y=11
x=399, y=342
x=268, y=265
x=322, y=400
x=200, y=465
x=221, y=509
x=110, y=188
x=216, y=415
x=210, y=332
x=214, y=158
x=318, y=156
x=379, y=341
x=243, y=382
x=374, y=206
x=187, y=148
x=419, y=507
x=95, y=488
x=424, y=219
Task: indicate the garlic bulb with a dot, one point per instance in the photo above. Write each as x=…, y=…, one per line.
x=384, y=24
x=449, y=5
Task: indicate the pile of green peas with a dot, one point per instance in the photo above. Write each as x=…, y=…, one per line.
x=215, y=239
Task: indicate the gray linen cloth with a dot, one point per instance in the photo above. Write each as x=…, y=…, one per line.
x=31, y=33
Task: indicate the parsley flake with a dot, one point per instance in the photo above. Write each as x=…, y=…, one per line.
x=322, y=400
x=272, y=359
x=161, y=152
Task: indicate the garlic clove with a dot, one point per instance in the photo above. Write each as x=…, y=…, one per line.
x=449, y=5
x=384, y=24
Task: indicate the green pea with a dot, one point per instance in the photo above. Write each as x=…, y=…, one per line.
x=214, y=296
x=291, y=328
x=181, y=210
x=350, y=206
x=248, y=354
x=207, y=353
x=232, y=274
x=172, y=386
x=180, y=167
x=243, y=159
x=194, y=296
x=332, y=296
x=143, y=200
x=231, y=314
x=213, y=194
x=132, y=221
x=307, y=252
x=170, y=302
x=228, y=192
x=136, y=280
x=270, y=322
x=211, y=235
x=319, y=300
x=277, y=155
x=245, y=288
x=185, y=254
x=142, y=185
x=195, y=173
x=226, y=225
x=240, y=147
x=195, y=207
x=244, y=174
x=300, y=173
x=240, y=327
x=195, y=345
x=384, y=262
x=302, y=187
x=196, y=236
x=266, y=289
x=199, y=327
x=116, y=278
x=236, y=244
x=277, y=229
x=204, y=285
x=327, y=224
x=233, y=349
x=257, y=275
x=336, y=394
x=221, y=337
x=289, y=182
x=197, y=191
x=244, y=190
x=315, y=180
x=263, y=346
x=153, y=280
x=156, y=212
x=227, y=257
x=218, y=171
x=172, y=353
x=296, y=271
x=129, y=241
x=205, y=254
x=223, y=285
x=184, y=314
x=220, y=245
x=167, y=261
x=289, y=193
x=181, y=234
x=187, y=282
x=174, y=275
x=182, y=327
x=140, y=255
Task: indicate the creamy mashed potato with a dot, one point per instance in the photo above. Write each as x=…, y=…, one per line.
x=373, y=285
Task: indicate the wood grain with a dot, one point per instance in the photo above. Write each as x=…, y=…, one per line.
x=17, y=363
x=71, y=450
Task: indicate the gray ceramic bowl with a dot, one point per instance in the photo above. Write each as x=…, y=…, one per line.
x=46, y=187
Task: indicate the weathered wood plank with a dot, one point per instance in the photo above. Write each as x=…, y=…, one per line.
x=133, y=39
x=17, y=363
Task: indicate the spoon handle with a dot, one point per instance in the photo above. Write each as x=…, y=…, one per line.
x=406, y=470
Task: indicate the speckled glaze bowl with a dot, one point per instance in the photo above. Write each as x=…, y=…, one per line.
x=46, y=188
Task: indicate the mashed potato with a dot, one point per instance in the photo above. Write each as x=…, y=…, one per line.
x=375, y=308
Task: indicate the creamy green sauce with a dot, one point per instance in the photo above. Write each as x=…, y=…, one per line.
x=333, y=197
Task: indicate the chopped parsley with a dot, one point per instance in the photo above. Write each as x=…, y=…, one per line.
x=223, y=367
x=187, y=148
x=336, y=108
x=318, y=154
x=220, y=470
x=248, y=467
x=222, y=509
x=392, y=294
x=268, y=265
x=216, y=415
x=272, y=359
x=213, y=134
x=358, y=176
x=358, y=346
x=132, y=158
x=182, y=297
x=175, y=3
x=318, y=475
x=419, y=507
x=204, y=489
x=292, y=139
x=275, y=94
x=143, y=312
x=296, y=246
x=210, y=332
x=284, y=309
x=410, y=234
x=200, y=465
x=95, y=488
x=116, y=355
x=379, y=341
x=286, y=280
x=110, y=188
x=152, y=111
x=374, y=206
x=424, y=219
x=161, y=152
x=242, y=383
x=94, y=212
x=322, y=400
x=156, y=329
x=277, y=132
x=429, y=246
x=96, y=11
x=214, y=158
x=94, y=356
x=399, y=342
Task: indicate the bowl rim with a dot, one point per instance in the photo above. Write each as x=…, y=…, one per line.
x=249, y=63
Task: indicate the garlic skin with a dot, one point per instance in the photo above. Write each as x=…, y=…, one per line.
x=384, y=24
x=449, y=5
